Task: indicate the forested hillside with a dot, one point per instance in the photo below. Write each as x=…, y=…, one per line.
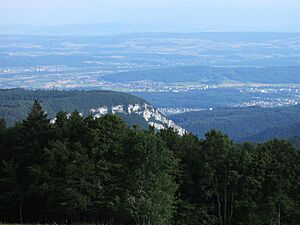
x=15, y=103
x=283, y=132
x=244, y=124
x=99, y=170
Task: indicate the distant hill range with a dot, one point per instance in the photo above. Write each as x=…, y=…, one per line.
x=253, y=124
x=15, y=104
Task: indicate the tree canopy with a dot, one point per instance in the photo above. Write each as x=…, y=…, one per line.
x=99, y=170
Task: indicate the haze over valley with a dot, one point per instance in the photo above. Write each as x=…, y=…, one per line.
x=248, y=69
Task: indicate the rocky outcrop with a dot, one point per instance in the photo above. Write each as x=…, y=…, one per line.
x=151, y=115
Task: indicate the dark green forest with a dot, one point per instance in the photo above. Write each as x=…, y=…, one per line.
x=81, y=169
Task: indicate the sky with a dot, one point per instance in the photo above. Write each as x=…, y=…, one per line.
x=223, y=15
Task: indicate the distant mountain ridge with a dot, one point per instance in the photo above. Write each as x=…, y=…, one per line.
x=15, y=104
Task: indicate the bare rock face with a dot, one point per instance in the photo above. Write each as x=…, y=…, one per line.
x=151, y=115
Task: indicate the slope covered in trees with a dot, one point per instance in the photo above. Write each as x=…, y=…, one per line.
x=100, y=170
x=283, y=132
x=15, y=103
x=253, y=124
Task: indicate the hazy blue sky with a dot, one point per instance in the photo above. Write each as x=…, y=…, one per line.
x=275, y=15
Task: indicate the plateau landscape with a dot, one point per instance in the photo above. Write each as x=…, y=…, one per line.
x=129, y=112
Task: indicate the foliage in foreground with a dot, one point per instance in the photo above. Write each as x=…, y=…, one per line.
x=102, y=171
